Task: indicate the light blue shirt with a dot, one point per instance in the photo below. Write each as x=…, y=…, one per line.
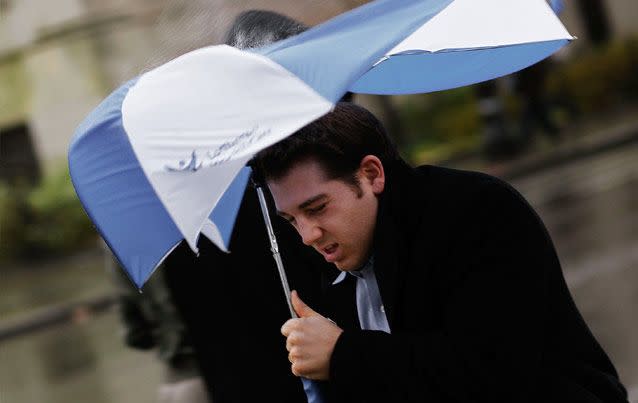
x=369, y=304
x=370, y=307
x=313, y=391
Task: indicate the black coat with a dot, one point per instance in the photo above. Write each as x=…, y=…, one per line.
x=233, y=306
x=475, y=298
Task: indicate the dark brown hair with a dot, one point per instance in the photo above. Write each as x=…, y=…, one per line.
x=256, y=28
x=338, y=141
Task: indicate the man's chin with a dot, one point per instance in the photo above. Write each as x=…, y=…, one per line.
x=344, y=266
x=340, y=262
x=350, y=264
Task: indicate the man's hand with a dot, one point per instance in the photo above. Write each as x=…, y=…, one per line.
x=309, y=341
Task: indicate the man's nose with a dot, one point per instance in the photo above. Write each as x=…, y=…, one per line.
x=310, y=232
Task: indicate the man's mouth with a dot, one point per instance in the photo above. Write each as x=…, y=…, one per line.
x=330, y=252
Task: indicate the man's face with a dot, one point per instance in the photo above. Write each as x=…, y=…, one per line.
x=334, y=217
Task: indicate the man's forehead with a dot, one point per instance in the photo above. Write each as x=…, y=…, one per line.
x=301, y=184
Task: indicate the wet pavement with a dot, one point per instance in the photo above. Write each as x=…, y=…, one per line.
x=80, y=361
x=589, y=206
x=60, y=342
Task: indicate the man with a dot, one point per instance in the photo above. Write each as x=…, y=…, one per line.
x=150, y=321
x=451, y=290
x=232, y=303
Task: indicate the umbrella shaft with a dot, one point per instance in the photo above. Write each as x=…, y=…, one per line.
x=275, y=249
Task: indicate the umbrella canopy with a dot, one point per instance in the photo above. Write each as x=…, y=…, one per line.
x=163, y=157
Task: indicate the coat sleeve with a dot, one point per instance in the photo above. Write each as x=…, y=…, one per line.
x=138, y=327
x=487, y=345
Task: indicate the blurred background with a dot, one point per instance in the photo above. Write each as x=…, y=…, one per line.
x=563, y=132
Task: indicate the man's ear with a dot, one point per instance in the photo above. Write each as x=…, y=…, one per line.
x=371, y=171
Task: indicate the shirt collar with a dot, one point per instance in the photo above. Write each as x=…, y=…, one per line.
x=359, y=273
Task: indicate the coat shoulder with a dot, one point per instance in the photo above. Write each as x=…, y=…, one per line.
x=454, y=187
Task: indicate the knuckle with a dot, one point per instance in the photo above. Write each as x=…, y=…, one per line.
x=294, y=337
x=298, y=368
x=285, y=329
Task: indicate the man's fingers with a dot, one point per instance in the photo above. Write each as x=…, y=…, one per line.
x=289, y=326
x=293, y=355
x=300, y=307
x=294, y=367
x=298, y=367
x=293, y=339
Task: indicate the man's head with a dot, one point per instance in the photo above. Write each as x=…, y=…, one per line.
x=326, y=179
x=256, y=28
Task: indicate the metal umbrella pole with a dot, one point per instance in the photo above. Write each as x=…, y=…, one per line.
x=274, y=247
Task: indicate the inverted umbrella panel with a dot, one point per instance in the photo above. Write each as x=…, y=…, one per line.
x=154, y=160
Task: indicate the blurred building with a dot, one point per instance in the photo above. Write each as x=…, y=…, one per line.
x=59, y=58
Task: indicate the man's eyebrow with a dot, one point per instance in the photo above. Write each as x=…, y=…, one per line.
x=303, y=205
x=283, y=215
x=312, y=200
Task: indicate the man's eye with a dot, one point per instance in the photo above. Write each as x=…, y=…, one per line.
x=317, y=209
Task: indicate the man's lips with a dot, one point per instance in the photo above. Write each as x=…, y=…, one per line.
x=330, y=252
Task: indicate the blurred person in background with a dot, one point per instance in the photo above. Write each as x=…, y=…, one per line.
x=503, y=140
x=151, y=322
x=232, y=303
x=535, y=103
x=194, y=307
x=498, y=141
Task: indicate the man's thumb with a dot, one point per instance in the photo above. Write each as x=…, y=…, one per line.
x=300, y=307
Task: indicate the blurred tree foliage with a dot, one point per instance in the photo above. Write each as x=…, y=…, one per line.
x=43, y=221
x=438, y=124
x=596, y=79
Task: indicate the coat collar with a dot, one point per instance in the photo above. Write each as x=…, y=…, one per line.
x=397, y=221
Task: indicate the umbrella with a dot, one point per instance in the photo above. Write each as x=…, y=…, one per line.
x=162, y=159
